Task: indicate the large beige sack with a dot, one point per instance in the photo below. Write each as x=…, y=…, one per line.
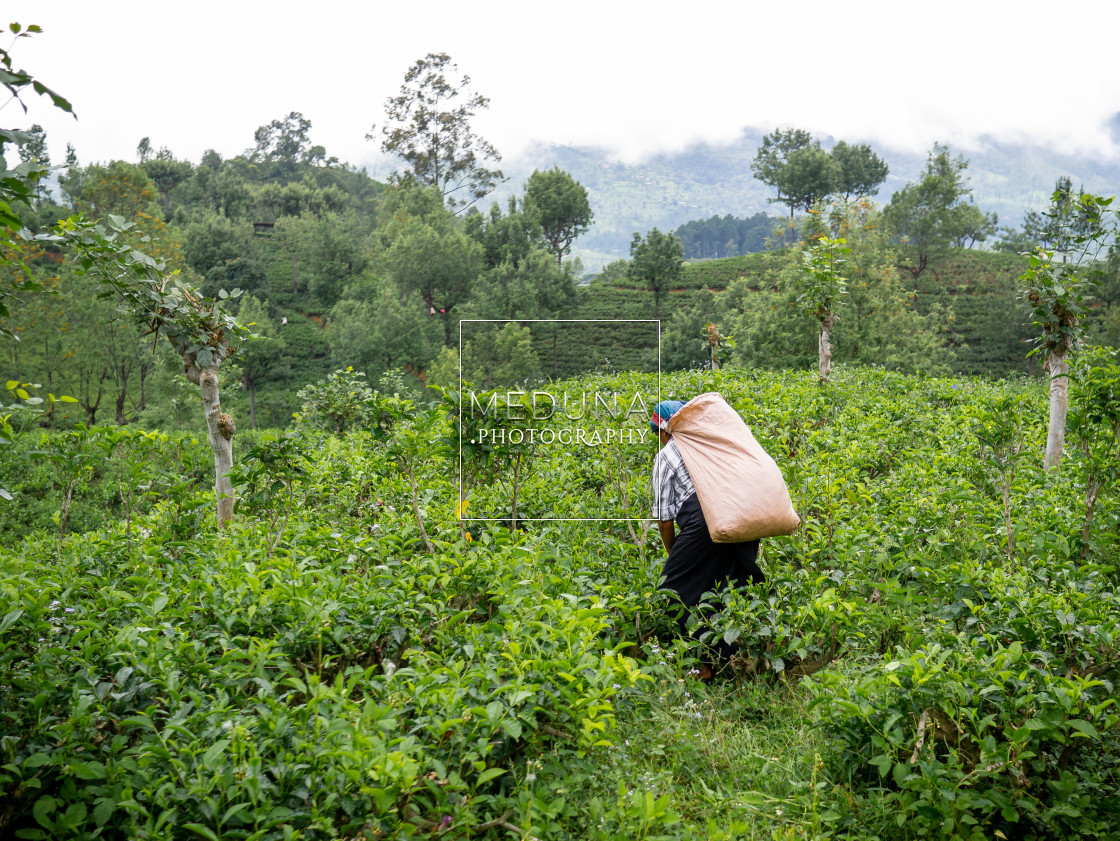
x=741, y=489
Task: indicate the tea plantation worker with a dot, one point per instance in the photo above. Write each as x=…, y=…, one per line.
x=696, y=564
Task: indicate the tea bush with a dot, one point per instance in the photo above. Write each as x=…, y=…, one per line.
x=933, y=653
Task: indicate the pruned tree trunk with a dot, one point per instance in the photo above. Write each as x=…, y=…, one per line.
x=1092, y=488
x=824, y=347
x=415, y=494
x=122, y=398
x=221, y=429
x=1059, y=407
x=1008, y=524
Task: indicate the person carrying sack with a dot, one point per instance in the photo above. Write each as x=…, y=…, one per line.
x=696, y=564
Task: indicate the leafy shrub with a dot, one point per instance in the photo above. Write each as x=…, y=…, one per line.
x=344, y=402
x=968, y=740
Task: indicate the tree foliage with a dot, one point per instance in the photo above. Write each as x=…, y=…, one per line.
x=793, y=162
x=166, y=174
x=505, y=237
x=656, y=262
x=200, y=330
x=560, y=206
x=428, y=125
x=376, y=326
x=821, y=288
x=937, y=212
x=438, y=265
x=283, y=145
x=501, y=357
x=1060, y=283
x=859, y=171
x=725, y=236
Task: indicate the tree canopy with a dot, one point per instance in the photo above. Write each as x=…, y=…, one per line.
x=657, y=262
x=794, y=163
x=428, y=124
x=559, y=204
x=937, y=211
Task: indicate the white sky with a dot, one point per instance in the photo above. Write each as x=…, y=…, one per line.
x=634, y=77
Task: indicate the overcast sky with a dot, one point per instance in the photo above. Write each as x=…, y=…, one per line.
x=634, y=77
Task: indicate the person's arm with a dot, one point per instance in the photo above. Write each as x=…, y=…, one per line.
x=668, y=533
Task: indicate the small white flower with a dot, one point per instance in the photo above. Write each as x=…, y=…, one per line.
x=227, y=725
x=530, y=778
x=617, y=686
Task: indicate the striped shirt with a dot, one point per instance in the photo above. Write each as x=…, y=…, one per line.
x=671, y=483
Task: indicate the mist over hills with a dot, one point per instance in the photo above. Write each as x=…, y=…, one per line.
x=672, y=188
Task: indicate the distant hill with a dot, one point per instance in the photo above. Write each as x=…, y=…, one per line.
x=705, y=180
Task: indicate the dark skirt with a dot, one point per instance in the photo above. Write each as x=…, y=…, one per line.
x=697, y=565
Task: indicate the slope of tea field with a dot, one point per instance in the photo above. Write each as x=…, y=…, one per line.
x=932, y=655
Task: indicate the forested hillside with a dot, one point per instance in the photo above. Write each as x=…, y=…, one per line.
x=703, y=180
x=332, y=266
x=332, y=269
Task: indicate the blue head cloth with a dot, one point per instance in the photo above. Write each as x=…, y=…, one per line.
x=661, y=414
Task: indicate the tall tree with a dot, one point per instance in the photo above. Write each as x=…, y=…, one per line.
x=287, y=139
x=428, y=124
x=33, y=153
x=505, y=238
x=821, y=287
x=375, y=327
x=794, y=164
x=559, y=204
x=161, y=304
x=859, y=171
x=326, y=253
x=70, y=181
x=532, y=287
x=1060, y=283
x=283, y=145
x=500, y=357
x=261, y=355
x=657, y=262
x=166, y=174
x=937, y=212
x=809, y=177
x=439, y=265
